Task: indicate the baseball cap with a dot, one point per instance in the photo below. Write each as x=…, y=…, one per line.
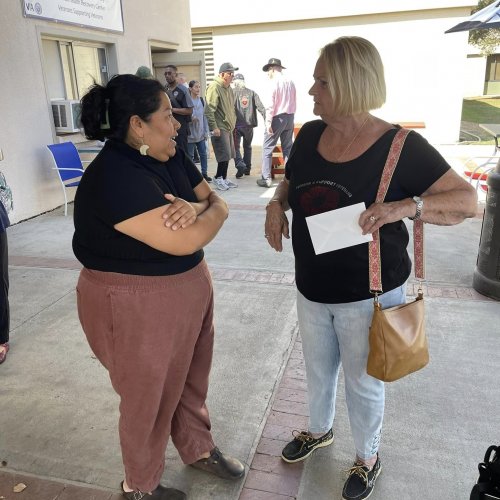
x=144, y=72
x=227, y=67
x=238, y=76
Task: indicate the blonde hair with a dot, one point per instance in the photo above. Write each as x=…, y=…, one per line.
x=355, y=75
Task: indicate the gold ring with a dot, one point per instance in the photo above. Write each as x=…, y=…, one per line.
x=373, y=218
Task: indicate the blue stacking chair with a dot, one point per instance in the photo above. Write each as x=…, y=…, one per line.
x=69, y=166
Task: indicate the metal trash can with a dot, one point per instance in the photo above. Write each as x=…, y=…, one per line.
x=486, y=278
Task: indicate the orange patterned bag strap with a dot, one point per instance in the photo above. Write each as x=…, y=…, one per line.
x=375, y=266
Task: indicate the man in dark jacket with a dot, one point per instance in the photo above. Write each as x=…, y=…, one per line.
x=182, y=105
x=247, y=102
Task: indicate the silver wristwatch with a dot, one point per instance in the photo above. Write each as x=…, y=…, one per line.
x=420, y=204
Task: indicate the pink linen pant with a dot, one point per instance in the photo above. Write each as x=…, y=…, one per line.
x=154, y=335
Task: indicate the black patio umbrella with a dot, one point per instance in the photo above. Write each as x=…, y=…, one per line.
x=489, y=17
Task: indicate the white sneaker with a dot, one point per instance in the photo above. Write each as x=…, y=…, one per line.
x=230, y=184
x=265, y=182
x=220, y=184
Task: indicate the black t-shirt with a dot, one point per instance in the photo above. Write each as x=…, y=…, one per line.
x=317, y=186
x=119, y=184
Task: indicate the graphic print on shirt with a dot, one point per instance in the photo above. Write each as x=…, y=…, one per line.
x=244, y=101
x=173, y=98
x=321, y=196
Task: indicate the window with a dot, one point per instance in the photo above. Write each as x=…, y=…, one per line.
x=90, y=67
x=72, y=67
x=493, y=68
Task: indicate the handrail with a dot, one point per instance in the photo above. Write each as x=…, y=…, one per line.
x=482, y=177
x=412, y=124
x=476, y=137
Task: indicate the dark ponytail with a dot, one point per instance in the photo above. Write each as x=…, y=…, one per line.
x=106, y=111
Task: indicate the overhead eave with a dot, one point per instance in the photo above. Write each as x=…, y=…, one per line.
x=227, y=13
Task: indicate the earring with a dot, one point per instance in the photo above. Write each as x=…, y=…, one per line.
x=144, y=148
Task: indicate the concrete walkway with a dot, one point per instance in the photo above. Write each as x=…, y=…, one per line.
x=58, y=412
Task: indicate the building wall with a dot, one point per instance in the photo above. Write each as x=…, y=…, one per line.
x=474, y=75
x=26, y=125
x=422, y=64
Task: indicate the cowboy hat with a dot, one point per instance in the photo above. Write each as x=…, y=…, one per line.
x=273, y=62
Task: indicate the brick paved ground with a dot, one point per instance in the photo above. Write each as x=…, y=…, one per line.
x=269, y=478
x=45, y=489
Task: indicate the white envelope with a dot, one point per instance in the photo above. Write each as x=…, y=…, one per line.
x=337, y=229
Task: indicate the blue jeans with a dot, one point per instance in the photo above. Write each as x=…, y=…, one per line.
x=202, y=153
x=282, y=126
x=334, y=335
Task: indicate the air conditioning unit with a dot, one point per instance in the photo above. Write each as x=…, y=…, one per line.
x=66, y=114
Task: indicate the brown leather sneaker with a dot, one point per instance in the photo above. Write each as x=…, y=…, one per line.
x=221, y=465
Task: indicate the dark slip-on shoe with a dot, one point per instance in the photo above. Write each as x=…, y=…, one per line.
x=159, y=493
x=221, y=465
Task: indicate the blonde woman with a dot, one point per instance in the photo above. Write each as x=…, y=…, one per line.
x=335, y=162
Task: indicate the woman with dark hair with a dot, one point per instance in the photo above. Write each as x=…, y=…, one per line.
x=198, y=129
x=143, y=214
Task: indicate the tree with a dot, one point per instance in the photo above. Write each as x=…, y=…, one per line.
x=486, y=40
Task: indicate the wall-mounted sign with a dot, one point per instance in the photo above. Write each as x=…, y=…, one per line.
x=100, y=14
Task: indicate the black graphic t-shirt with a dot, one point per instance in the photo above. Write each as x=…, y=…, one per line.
x=317, y=186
